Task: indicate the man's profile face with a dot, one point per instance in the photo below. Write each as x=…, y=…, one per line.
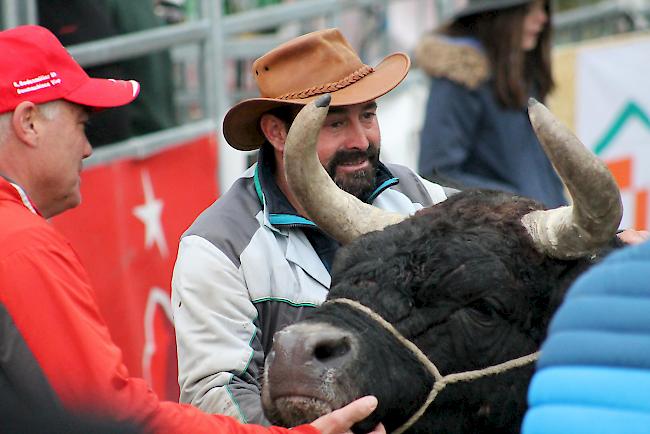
x=65, y=146
x=348, y=147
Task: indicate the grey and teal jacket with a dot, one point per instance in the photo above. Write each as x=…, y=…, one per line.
x=248, y=266
x=468, y=136
x=593, y=375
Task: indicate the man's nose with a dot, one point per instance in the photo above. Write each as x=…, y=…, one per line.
x=88, y=149
x=357, y=137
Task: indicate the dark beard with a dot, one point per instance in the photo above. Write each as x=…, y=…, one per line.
x=360, y=184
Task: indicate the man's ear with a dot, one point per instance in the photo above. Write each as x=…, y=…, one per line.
x=275, y=130
x=24, y=122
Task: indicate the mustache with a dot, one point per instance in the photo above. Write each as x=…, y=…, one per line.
x=344, y=156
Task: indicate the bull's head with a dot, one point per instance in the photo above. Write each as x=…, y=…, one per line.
x=472, y=282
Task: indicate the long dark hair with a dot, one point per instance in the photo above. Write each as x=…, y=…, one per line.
x=516, y=74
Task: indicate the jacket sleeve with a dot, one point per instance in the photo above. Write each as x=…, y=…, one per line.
x=219, y=351
x=48, y=295
x=452, y=119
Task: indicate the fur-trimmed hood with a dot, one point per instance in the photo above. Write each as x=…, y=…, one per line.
x=443, y=57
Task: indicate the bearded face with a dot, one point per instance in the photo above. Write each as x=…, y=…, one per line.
x=360, y=182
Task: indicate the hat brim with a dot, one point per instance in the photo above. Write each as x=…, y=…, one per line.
x=484, y=7
x=104, y=93
x=241, y=123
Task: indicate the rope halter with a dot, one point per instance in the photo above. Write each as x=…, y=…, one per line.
x=440, y=381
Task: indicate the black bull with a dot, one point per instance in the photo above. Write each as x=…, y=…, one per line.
x=472, y=282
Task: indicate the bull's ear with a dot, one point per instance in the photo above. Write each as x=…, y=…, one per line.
x=591, y=222
x=340, y=214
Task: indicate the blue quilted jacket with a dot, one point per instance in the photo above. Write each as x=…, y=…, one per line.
x=593, y=376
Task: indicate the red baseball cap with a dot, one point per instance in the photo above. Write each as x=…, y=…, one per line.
x=35, y=67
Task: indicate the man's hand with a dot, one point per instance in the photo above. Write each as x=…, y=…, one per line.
x=630, y=236
x=339, y=421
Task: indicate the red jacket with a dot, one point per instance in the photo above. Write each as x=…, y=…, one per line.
x=52, y=334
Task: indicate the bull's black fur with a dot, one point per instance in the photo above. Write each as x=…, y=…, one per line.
x=463, y=281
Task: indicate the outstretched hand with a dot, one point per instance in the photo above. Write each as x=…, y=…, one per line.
x=630, y=236
x=340, y=421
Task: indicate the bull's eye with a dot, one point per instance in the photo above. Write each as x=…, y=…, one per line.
x=331, y=349
x=483, y=307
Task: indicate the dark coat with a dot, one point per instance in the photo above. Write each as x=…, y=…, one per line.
x=469, y=137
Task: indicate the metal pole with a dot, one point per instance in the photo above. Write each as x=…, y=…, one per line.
x=231, y=162
x=277, y=15
x=385, y=37
x=139, y=43
x=31, y=12
x=9, y=13
x=18, y=12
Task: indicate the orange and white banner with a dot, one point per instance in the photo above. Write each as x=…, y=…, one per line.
x=126, y=232
x=604, y=95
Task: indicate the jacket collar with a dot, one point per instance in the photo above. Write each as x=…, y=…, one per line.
x=459, y=59
x=16, y=192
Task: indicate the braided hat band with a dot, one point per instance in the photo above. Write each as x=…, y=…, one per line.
x=330, y=87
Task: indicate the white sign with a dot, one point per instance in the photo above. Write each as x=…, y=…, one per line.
x=613, y=117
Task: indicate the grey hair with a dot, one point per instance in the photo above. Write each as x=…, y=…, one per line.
x=5, y=119
x=49, y=110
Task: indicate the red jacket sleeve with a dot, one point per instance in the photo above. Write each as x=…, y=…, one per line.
x=48, y=295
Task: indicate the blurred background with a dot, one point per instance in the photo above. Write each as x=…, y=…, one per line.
x=160, y=161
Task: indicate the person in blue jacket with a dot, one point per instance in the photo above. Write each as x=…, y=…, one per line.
x=593, y=375
x=484, y=65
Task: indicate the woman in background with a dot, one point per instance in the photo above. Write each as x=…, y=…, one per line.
x=484, y=65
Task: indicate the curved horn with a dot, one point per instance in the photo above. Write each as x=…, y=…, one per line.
x=341, y=215
x=573, y=231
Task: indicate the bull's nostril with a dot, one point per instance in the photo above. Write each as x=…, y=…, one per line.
x=332, y=349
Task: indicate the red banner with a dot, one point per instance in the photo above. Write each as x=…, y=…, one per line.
x=126, y=232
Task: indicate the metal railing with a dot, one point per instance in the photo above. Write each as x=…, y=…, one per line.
x=602, y=19
x=16, y=12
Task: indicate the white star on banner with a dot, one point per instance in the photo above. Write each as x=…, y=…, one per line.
x=150, y=214
x=157, y=298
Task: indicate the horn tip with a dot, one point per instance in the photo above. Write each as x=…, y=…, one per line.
x=532, y=102
x=323, y=101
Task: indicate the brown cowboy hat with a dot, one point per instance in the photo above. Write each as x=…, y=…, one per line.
x=303, y=68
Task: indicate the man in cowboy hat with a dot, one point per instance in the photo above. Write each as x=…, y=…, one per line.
x=253, y=262
x=56, y=354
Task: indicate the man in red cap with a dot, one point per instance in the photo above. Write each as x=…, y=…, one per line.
x=55, y=349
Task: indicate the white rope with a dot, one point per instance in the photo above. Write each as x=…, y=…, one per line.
x=440, y=381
